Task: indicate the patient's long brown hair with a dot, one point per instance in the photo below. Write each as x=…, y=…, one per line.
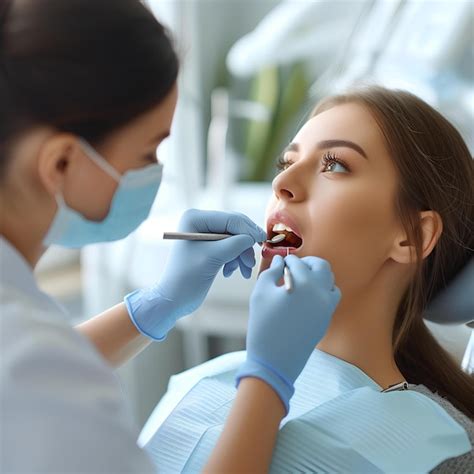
x=435, y=171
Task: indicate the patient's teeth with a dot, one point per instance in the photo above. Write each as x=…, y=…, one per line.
x=279, y=227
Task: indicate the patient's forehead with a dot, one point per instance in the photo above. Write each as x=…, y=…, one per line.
x=351, y=121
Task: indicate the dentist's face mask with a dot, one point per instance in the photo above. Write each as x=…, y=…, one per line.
x=130, y=206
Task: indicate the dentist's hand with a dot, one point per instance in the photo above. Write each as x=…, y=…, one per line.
x=283, y=327
x=191, y=269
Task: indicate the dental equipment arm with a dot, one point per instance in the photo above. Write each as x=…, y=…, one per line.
x=283, y=330
x=294, y=31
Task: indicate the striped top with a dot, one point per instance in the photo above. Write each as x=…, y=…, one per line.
x=339, y=421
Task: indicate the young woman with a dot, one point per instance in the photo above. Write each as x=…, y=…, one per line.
x=379, y=184
x=87, y=93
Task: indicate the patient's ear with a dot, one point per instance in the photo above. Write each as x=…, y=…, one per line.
x=403, y=250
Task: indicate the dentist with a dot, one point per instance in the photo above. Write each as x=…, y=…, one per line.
x=87, y=93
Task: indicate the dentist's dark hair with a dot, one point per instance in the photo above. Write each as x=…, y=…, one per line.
x=435, y=171
x=81, y=66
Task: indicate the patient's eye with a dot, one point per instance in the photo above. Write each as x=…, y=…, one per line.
x=331, y=163
x=283, y=163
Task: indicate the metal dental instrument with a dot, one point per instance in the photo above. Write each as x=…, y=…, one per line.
x=287, y=279
x=194, y=236
x=276, y=239
x=202, y=236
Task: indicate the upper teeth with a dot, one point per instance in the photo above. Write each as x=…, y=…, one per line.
x=279, y=227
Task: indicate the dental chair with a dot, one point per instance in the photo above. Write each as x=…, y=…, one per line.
x=455, y=306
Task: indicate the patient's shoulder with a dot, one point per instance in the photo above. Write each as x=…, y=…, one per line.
x=465, y=462
x=458, y=415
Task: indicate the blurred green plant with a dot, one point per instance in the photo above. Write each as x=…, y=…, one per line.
x=283, y=93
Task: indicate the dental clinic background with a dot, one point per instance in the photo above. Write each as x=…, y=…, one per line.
x=251, y=71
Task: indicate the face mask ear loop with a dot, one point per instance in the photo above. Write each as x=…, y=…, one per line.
x=60, y=202
x=59, y=199
x=100, y=161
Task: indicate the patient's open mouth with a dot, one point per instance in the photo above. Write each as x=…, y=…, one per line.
x=288, y=237
x=282, y=228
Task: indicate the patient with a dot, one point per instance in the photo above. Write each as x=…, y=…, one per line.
x=380, y=185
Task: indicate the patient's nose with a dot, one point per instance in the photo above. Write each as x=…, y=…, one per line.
x=289, y=186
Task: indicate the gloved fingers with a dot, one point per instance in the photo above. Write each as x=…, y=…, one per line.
x=228, y=249
x=323, y=268
x=274, y=273
x=336, y=294
x=245, y=270
x=299, y=270
x=302, y=274
x=238, y=223
x=194, y=220
x=230, y=268
x=248, y=257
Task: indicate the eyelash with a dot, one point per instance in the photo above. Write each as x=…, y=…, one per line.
x=328, y=158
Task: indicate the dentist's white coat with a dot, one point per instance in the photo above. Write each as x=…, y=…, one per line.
x=61, y=407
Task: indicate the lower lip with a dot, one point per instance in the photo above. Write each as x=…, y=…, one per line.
x=269, y=252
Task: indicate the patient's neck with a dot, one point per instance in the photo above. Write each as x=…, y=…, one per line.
x=360, y=333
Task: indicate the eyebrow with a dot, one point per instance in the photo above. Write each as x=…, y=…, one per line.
x=330, y=144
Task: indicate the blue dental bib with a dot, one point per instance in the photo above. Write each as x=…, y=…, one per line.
x=339, y=421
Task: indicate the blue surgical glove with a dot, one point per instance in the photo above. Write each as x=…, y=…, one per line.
x=284, y=327
x=191, y=269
